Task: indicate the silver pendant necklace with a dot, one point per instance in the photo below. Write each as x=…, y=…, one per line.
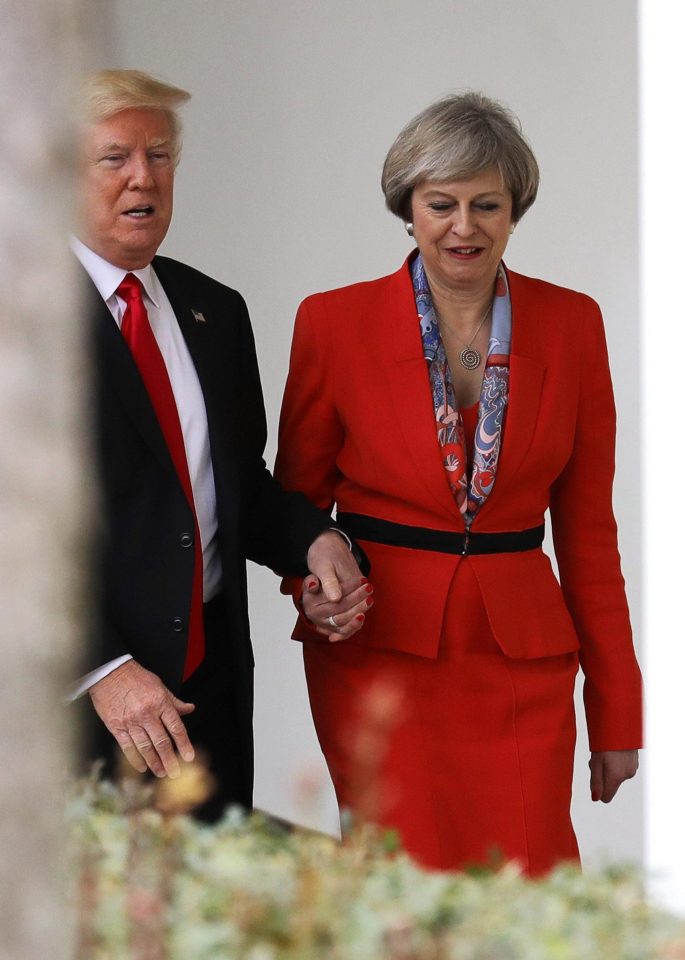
x=469, y=357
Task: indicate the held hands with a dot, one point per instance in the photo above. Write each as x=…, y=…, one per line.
x=335, y=589
x=145, y=719
x=340, y=619
x=608, y=770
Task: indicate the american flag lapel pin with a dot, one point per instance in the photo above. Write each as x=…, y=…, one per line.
x=199, y=317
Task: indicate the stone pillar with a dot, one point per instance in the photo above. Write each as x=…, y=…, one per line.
x=45, y=483
x=662, y=88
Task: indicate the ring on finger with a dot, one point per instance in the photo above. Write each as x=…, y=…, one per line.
x=333, y=622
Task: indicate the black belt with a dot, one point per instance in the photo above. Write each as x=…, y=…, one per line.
x=442, y=541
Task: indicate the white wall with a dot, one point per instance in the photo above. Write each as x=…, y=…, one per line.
x=294, y=106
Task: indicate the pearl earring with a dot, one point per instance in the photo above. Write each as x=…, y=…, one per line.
x=409, y=227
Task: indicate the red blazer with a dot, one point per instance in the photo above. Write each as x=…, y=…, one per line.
x=358, y=430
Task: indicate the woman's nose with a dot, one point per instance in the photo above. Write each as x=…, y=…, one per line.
x=463, y=223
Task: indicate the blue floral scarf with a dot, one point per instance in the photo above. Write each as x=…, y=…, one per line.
x=471, y=492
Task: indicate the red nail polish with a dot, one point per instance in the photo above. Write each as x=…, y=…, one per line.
x=369, y=588
x=360, y=618
x=369, y=602
x=311, y=584
x=363, y=581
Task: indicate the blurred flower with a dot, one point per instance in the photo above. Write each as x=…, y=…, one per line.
x=167, y=888
x=186, y=792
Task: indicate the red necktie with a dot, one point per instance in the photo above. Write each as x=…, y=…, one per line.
x=137, y=332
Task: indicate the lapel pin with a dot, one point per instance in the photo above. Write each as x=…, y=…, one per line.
x=199, y=317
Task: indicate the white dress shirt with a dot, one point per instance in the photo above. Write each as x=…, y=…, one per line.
x=191, y=410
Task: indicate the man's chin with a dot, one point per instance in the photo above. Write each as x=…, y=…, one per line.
x=137, y=252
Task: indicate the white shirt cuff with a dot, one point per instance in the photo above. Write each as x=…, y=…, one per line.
x=343, y=535
x=79, y=687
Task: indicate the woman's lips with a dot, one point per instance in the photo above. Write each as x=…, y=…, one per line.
x=464, y=253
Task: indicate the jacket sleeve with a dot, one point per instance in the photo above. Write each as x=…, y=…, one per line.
x=585, y=543
x=310, y=432
x=278, y=525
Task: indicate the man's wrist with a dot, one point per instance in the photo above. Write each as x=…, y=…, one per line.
x=337, y=530
x=345, y=537
x=84, y=684
x=354, y=548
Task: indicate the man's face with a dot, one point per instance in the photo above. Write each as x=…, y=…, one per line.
x=127, y=186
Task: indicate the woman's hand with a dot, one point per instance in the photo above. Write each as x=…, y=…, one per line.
x=608, y=770
x=348, y=614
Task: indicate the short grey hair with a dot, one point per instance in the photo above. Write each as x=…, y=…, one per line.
x=458, y=137
x=110, y=91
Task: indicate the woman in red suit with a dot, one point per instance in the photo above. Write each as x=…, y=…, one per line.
x=443, y=410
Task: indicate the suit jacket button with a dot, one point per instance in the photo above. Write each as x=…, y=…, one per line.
x=177, y=624
x=186, y=539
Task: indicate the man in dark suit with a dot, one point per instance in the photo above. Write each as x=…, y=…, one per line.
x=186, y=496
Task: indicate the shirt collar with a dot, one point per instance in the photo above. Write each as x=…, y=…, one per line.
x=107, y=277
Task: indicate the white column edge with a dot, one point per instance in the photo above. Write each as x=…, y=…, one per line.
x=661, y=33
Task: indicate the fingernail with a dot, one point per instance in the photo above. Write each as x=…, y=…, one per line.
x=369, y=588
x=360, y=618
x=595, y=796
x=369, y=602
x=363, y=581
x=311, y=584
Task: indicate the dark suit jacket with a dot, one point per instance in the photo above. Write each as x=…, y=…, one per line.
x=145, y=571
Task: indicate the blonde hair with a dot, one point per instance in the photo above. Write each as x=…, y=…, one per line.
x=459, y=137
x=110, y=91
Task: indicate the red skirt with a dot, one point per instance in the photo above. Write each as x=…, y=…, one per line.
x=469, y=756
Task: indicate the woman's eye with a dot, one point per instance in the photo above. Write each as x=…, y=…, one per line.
x=440, y=207
x=487, y=206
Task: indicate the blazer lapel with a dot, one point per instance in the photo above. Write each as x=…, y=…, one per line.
x=400, y=346
x=526, y=378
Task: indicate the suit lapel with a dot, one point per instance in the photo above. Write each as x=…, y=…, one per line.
x=194, y=319
x=196, y=314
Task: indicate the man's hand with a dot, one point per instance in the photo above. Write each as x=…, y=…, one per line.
x=144, y=717
x=330, y=559
x=608, y=770
x=336, y=588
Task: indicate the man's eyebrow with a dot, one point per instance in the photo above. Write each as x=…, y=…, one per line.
x=112, y=145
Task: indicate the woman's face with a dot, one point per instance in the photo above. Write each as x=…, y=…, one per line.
x=462, y=228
